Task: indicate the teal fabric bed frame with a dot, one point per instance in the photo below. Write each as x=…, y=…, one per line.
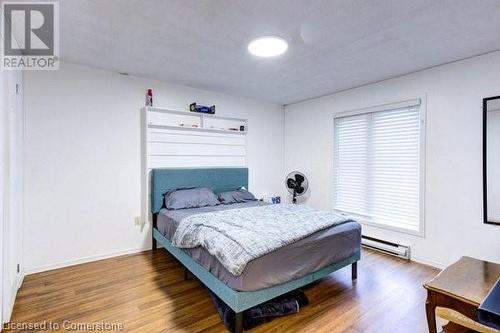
x=219, y=180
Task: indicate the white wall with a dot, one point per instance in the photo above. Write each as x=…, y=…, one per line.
x=83, y=159
x=82, y=169
x=453, y=214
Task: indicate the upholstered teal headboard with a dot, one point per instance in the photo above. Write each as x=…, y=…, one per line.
x=218, y=179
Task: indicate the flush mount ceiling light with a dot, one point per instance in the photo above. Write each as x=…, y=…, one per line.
x=268, y=46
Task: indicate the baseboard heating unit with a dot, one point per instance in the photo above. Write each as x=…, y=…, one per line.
x=398, y=250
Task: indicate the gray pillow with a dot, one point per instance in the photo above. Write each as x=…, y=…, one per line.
x=190, y=198
x=237, y=196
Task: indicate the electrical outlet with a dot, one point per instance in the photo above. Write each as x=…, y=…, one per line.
x=137, y=220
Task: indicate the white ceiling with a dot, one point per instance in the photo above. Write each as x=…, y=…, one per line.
x=334, y=44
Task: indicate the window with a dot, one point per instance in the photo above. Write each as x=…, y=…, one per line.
x=377, y=166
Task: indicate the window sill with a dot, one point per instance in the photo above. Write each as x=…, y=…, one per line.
x=418, y=233
x=365, y=221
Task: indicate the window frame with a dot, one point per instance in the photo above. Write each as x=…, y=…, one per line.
x=422, y=159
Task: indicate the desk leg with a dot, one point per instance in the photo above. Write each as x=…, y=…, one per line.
x=430, y=309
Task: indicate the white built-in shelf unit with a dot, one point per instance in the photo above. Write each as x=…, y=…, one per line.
x=174, y=138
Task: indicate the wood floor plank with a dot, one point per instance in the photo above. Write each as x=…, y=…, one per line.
x=146, y=292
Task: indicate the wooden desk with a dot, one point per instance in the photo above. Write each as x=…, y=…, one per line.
x=461, y=287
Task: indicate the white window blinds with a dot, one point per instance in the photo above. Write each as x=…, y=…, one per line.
x=377, y=166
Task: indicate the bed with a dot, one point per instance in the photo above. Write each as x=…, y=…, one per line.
x=287, y=268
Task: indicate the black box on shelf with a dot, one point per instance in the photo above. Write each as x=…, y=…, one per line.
x=193, y=107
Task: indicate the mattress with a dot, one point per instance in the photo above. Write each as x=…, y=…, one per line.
x=305, y=256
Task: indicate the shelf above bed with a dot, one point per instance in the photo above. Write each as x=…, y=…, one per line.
x=187, y=128
x=173, y=119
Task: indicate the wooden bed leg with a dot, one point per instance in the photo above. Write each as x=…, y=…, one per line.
x=354, y=270
x=238, y=322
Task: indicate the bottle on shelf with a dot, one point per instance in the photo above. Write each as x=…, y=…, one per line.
x=149, y=97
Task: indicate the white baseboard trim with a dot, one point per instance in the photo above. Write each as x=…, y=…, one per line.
x=22, y=274
x=428, y=262
x=72, y=262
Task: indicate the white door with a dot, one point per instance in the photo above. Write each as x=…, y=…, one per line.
x=3, y=152
x=12, y=188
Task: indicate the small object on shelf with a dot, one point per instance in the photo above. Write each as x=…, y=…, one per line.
x=233, y=129
x=149, y=97
x=188, y=125
x=193, y=107
x=242, y=128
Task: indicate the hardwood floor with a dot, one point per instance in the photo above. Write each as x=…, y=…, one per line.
x=146, y=292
